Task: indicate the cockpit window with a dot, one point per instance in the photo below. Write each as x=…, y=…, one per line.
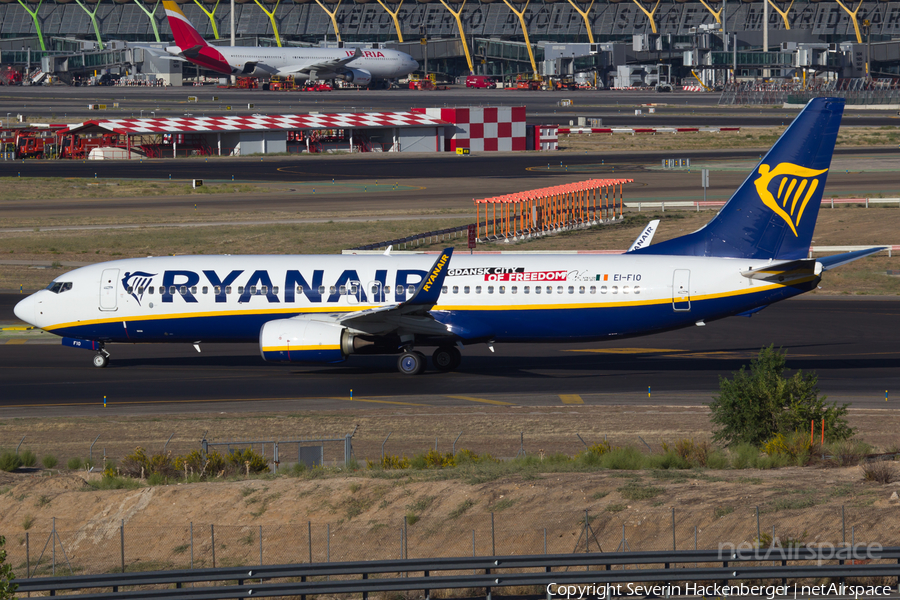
x=58, y=287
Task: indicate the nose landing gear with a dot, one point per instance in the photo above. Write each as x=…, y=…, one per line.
x=101, y=359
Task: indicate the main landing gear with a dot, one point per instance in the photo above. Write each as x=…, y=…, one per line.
x=101, y=359
x=445, y=358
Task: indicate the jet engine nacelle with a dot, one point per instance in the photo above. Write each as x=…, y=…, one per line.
x=357, y=77
x=303, y=340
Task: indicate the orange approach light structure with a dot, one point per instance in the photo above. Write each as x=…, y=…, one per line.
x=541, y=211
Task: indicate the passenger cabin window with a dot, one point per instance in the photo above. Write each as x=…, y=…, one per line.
x=502, y=289
x=171, y=290
x=205, y=289
x=217, y=290
x=274, y=290
x=129, y=289
x=264, y=289
x=466, y=290
x=615, y=289
x=593, y=289
x=194, y=289
x=387, y=289
x=411, y=289
x=354, y=290
x=253, y=290
x=241, y=290
x=332, y=290
x=537, y=289
x=444, y=290
x=625, y=289
x=227, y=289
x=637, y=289
x=526, y=289
x=513, y=289
x=455, y=289
x=550, y=289
x=150, y=291
x=602, y=289
x=343, y=290
x=490, y=289
x=477, y=289
x=581, y=289
x=571, y=289
x=375, y=289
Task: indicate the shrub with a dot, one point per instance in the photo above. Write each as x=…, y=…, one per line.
x=49, y=461
x=881, y=471
x=238, y=461
x=74, y=463
x=755, y=405
x=9, y=460
x=29, y=459
x=847, y=453
x=135, y=464
x=744, y=455
x=433, y=460
x=389, y=462
x=795, y=446
x=591, y=457
x=627, y=458
x=669, y=459
x=162, y=464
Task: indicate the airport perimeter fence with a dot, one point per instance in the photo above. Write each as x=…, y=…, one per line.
x=109, y=547
x=854, y=91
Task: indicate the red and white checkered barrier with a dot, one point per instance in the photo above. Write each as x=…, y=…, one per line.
x=691, y=88
x=482, y=128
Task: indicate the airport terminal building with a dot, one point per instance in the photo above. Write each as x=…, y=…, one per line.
x=489, y=36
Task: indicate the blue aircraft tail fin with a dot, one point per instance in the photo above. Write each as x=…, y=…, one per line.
x=773, y=213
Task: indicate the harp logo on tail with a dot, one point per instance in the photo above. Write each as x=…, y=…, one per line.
x=787, y=189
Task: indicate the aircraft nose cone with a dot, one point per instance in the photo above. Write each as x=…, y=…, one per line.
x=24, y=310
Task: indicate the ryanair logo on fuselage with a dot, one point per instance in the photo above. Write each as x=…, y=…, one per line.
x=795, y=186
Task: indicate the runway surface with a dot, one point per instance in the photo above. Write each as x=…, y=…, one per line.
x=849, y=343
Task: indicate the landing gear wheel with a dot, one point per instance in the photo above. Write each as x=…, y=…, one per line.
x=411, y=363
x=446, y=358
x=101, y=360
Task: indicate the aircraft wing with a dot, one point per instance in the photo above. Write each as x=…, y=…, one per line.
x=328, y=66
x=411, y=315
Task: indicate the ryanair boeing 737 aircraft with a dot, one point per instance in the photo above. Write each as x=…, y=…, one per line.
x=321, y=309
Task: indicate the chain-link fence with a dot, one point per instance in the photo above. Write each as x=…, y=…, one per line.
x=104, y=547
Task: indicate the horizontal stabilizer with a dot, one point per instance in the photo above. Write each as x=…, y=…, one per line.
x=836, y=260
x=781, y=270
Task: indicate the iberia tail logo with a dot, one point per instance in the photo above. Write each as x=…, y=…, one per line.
x=796, y=186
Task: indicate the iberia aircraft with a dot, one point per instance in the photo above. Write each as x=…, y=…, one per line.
x=321, y=309
x=357, y=66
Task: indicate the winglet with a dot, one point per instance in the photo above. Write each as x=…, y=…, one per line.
x=429, y=290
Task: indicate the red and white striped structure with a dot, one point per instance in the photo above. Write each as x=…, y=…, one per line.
x=482, y=128
x=552, y=208
x=265, y=122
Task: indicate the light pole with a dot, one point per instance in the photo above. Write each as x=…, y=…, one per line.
x=867, y=27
